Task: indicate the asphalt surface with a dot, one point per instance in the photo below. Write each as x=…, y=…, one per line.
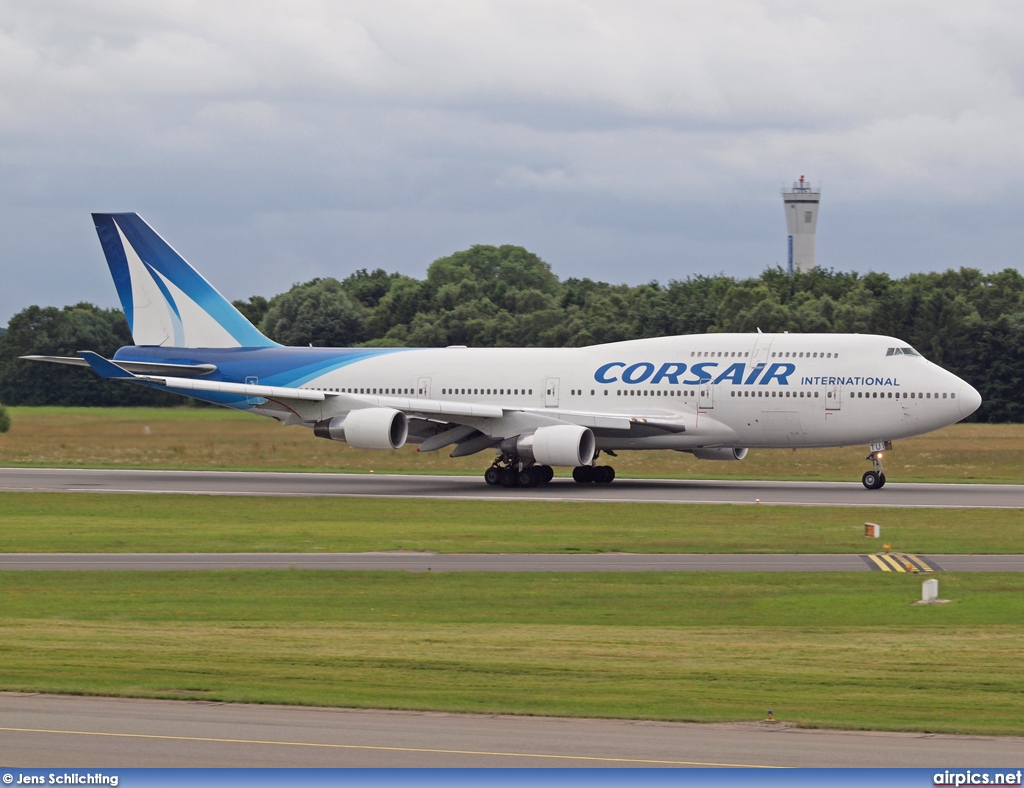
x=472, y=487
x=505, y=562
x=58, y=731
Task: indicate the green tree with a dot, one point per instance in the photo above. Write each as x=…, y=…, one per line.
x=254, y=310
x=49, y=331
x=316, y=313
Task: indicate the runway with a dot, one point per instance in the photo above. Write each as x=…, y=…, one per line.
x=59, y=731
x=505, y=562
x=473, y=488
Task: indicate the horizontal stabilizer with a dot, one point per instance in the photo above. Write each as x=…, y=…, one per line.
x=104, y=368
x=135, y=367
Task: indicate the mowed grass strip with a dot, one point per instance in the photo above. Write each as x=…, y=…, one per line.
x=833, y=651
x=78, y=522
x=216, y=438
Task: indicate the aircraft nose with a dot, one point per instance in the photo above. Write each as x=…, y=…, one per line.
x=970, y=400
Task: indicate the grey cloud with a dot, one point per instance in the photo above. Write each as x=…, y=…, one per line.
x=276, y=139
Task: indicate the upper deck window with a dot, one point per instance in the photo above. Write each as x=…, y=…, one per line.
x=901, y=351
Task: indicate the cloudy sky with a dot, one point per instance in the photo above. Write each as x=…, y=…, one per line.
x=272, y=142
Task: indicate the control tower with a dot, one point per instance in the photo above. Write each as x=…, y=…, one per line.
x=801, y=219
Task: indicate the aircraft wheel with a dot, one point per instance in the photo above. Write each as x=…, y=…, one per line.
x=507, y=477
x=583, y=474
x=547, y=473
x=604, y=474
x=529, y=477
x=881, y=481
x=873, y=480
x=492, y=476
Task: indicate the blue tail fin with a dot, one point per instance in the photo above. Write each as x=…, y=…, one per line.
x=166, y=301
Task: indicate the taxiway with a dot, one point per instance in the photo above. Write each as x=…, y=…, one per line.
x=56, y=731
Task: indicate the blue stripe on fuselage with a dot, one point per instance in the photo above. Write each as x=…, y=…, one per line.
x=273, y=366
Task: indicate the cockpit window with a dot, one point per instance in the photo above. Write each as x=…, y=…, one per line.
x=901, y=351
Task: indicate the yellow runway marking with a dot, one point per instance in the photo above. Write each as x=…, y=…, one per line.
x=899, y=562
x=884, y=567
x=920, y=563
x=389, y=749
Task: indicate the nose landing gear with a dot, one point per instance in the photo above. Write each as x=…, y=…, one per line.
x=875, y=479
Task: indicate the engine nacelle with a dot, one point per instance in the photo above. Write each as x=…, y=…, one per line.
x=720, y=454
x=366, y=428
x=566, y=445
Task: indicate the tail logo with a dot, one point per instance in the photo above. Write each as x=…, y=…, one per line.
x=166, y=301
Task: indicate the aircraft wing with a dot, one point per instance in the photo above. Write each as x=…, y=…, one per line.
x=435, y=423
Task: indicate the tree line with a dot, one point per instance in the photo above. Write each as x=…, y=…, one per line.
x=968, y=322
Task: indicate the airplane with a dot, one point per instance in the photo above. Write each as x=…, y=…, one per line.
x=713, y=395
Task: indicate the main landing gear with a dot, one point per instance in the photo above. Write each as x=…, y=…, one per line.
x=875, y=478
x=508, y=470
x=511, y=471
x=599, y=474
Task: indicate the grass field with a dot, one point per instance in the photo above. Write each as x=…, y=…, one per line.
x=847, y=651
x=206, y=438
x=844, y=650
x=76, y=522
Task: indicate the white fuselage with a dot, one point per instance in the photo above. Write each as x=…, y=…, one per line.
x=723, y=390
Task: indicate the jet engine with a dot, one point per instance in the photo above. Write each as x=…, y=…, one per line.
x=366, y=428
x=566, y=445
x=720, y=454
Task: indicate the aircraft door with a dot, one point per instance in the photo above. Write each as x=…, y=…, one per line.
x=834, y=397
x=423, y=388
x=706, y=398
x=551, y=393
x=252, y=380
x=759, y=355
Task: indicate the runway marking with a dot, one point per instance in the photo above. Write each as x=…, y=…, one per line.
x=483, y=496
x=391, y=749
x=898, y=562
